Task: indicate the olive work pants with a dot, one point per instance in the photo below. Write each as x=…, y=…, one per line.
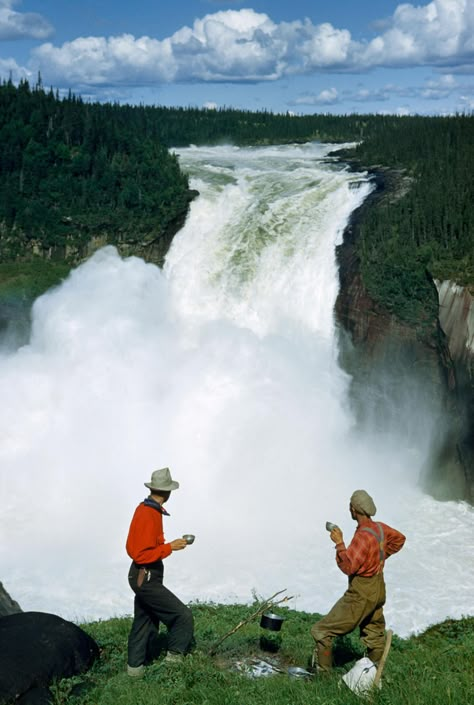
x=360, y=606
x=153, y=604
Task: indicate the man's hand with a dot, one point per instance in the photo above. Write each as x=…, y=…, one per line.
x=336, y=535
x=178, y=544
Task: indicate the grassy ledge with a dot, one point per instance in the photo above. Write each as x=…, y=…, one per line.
x=433, y=668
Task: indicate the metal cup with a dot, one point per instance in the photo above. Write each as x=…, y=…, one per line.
x=330, y=526
x=189, y=538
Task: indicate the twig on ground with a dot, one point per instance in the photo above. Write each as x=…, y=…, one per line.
x=265, y=605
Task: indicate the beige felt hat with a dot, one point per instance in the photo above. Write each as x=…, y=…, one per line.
x=161, y=480
x=363, y=503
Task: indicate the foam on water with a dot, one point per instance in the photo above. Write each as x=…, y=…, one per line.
x=224, y=367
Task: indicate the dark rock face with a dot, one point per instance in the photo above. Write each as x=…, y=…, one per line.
x=456, y=316
x=37, y=648
x=7, y=605
x=402, y=375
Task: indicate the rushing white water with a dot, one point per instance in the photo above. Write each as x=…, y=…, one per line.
x=224, y=367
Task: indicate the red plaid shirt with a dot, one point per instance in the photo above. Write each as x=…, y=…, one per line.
x=362, y=557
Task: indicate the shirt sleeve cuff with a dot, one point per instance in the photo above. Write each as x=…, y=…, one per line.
x=168, y=550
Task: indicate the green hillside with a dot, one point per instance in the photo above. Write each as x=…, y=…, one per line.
x=434, y=668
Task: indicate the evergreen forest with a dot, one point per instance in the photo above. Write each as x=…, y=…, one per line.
x=73, y=171
x=424, y=229
x=75, y=175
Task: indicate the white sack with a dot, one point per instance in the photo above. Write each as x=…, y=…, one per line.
x=360, y=678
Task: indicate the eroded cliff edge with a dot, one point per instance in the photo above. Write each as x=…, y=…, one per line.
x=7, y=604
x=414, y=379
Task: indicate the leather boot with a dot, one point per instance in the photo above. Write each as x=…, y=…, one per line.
x=322, y=658
x=136, y=671
x=173, y=657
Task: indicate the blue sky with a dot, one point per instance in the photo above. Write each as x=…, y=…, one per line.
x=301, y=56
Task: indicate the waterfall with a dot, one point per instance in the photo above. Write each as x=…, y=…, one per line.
x=223, y=366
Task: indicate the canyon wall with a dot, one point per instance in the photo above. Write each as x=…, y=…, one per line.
x=456, y=317
x=405, y=376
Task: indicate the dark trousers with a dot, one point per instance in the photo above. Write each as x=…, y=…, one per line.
x=153, y=604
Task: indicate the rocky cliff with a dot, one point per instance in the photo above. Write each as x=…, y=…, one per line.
x=456, y=317
x=411, y=380
x=7, y=605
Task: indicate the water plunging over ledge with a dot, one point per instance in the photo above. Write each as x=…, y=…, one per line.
x=224, y=367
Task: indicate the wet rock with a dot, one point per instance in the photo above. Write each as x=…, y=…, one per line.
x=37, y=648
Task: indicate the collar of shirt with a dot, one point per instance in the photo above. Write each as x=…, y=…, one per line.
x=149, y=502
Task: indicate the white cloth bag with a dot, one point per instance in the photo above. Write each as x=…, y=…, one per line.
x=360, y=679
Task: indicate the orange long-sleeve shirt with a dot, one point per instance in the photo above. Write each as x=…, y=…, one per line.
x=146, y=541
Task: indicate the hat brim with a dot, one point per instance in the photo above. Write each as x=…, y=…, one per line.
x=173, y=485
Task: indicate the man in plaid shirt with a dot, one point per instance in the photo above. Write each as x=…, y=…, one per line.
x=362, y=603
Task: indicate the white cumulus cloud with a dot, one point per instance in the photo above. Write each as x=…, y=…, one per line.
x=328, y=96
x=326, y=47
x=247, y=46
x=439, y=33
x=116, y=60
x=432, y=89
x=9, y=67
x=230, y=46
x=22, y=25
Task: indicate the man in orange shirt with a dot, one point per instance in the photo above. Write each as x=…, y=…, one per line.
x=154, y=603
x=362, y=603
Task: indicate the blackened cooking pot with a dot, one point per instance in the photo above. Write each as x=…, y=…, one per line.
x=271, y=621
